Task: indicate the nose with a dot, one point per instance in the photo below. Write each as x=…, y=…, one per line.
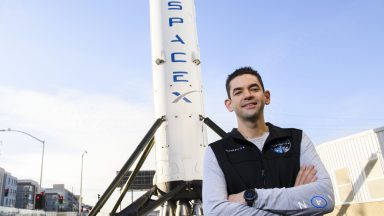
x=247, y=94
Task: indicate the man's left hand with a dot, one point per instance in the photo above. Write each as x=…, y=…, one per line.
x=237, y=198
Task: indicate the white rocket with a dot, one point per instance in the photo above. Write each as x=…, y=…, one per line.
x=181, y=141
x=178, y=133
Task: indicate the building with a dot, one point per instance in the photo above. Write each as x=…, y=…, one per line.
x=355, y=164
x=2, y=173
x=52, y=199
x=8, y=188
x=26, y=193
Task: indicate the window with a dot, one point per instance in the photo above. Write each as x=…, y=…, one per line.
x=344, y=185
x=374, y=178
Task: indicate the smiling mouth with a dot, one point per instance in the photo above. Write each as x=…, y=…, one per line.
x=249, y=105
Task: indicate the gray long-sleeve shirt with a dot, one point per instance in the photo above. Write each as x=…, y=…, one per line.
x=315, y=198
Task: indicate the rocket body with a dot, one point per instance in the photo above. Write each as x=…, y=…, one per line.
x=181, y=141
x=180, y=137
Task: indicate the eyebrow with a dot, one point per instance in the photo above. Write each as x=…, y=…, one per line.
x=250, y=86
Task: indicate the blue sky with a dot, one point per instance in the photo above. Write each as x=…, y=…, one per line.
x=78, y=75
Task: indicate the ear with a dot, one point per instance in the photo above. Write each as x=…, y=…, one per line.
x=267, y=96
x=228, y=104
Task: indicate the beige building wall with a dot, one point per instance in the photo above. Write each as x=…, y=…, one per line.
x=359, y=209
x=356, y=167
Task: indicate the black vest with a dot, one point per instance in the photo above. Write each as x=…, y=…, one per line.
x=245, y=167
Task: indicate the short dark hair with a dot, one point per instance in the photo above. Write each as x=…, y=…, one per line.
x=239, y=72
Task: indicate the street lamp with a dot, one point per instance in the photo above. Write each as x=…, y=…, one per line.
x=81, y=183
x=42, y=141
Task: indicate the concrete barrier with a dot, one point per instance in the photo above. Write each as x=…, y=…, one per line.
x=7, y=211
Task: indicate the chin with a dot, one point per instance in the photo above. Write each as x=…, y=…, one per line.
x=250, y=117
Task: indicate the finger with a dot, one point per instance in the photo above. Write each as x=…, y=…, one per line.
x=308, y=176
x=312, y=174
x=313, y=179
x=299, y=176
x=304, y=175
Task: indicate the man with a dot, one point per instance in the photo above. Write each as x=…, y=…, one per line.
x=259, y=168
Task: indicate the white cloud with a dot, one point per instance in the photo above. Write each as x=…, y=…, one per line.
x=70, y=122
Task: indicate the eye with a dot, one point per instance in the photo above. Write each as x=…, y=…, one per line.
x=236, y=92
x=254, y=88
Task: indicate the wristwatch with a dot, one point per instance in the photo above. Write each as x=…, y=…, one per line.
x=250, y=196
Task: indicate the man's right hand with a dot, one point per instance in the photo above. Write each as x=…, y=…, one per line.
x=306, y=175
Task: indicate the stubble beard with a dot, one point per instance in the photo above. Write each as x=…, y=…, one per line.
x=251, y=117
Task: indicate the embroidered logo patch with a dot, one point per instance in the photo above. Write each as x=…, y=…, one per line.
x=318, y=202
x=282, y=146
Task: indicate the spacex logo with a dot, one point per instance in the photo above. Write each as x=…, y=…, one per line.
x=182, y=96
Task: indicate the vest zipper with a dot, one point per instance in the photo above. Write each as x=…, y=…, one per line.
x=262, y=167
x=263, y=176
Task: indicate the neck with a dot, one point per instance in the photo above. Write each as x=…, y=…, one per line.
x=251, y=130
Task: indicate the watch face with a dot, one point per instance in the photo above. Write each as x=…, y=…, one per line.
x=250, y=194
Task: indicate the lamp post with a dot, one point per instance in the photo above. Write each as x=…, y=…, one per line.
x=42, y=141
x=81, y=183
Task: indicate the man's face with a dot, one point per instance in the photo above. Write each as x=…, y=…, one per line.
x=247, y=97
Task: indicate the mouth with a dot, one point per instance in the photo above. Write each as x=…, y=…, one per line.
x=249, y=105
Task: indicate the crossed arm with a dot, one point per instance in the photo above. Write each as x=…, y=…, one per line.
x=306, y=175
x=311, y=195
